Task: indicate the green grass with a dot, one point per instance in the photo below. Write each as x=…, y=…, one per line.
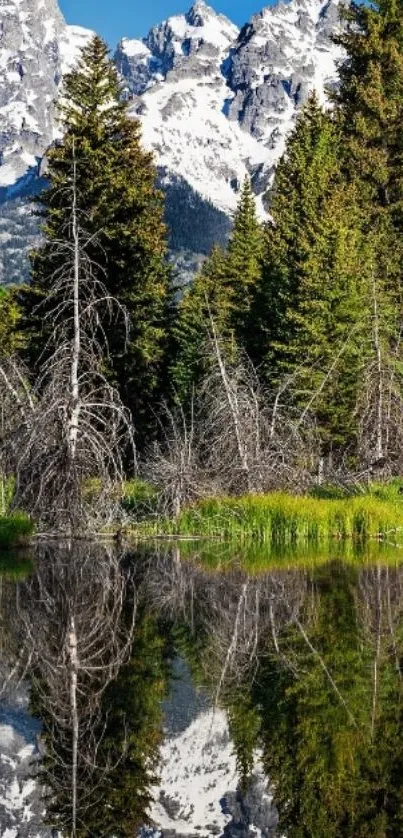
x=15, y=530
x=281, y=519
x=139, y=498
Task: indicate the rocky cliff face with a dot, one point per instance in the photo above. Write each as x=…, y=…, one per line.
x=216, y=105
x=36, y=48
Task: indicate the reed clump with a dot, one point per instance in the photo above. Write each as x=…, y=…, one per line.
x=281, y=519
x=15, y=530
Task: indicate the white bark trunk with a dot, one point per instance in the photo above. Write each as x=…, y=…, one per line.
x=75, y=394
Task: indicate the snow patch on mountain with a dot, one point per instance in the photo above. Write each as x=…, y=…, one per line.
x=216, y=104
x=36, y=48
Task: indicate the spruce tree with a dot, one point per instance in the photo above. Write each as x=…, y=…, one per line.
x=244, y=256
x=304, y=179
x=331, y=325
x=207, y=296
x=11, y=338
x=121, y=208
x=370, y=111
x=370, y=103
x=223, y=291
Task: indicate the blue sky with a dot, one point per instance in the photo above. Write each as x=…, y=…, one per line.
x=114, y=19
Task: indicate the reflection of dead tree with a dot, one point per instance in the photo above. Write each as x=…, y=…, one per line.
x=239, y=616
x=234, y=613
x=74, y=427
x=71, y=618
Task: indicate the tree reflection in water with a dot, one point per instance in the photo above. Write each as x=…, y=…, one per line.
x=308, y=664
x=307, y=661
x=97, y=666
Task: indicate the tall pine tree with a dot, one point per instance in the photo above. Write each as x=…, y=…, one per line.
x=120, y=207
x=223, y=290
x=370, y=103
x=304, y=178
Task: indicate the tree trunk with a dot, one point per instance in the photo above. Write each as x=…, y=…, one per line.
x=75, y=393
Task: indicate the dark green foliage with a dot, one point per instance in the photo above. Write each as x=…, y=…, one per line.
x=370, y=102
x=193, y=223
x=11, y=337
x=191, y=327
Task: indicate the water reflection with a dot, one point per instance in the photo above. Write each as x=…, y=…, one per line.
x=307, y=662
x=305, y=658
x=97, y=676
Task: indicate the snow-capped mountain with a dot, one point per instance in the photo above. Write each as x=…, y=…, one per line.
x=36, y=48
x=217, y=103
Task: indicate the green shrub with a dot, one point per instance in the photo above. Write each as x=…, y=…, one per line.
x=15, y=530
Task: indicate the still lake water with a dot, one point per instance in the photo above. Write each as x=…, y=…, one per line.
x=201, y=691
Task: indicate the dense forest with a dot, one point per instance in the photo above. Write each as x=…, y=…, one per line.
x=280, y=366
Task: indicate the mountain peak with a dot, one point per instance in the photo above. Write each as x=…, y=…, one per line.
x=198, y=13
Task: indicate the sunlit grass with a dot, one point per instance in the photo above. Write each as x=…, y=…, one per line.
x=282, y=519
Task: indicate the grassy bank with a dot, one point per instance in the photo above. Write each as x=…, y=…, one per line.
x=15, y=530
x=282, y=519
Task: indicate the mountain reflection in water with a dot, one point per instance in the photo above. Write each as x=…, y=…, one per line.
x=207, y=690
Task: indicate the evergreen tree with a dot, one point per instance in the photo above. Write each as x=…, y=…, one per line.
x=304, y=179
x=223, y=290
x=370, y=103
x=331, y=325
x=206, y=296
x=121, y=209
x=370, y=111
x=244, y=256
x=11, y=338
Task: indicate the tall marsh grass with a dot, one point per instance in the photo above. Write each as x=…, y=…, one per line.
x=282, y=519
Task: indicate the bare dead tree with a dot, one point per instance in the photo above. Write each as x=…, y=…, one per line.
x=76, y=426
x=174, y=462
x=235, y=438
